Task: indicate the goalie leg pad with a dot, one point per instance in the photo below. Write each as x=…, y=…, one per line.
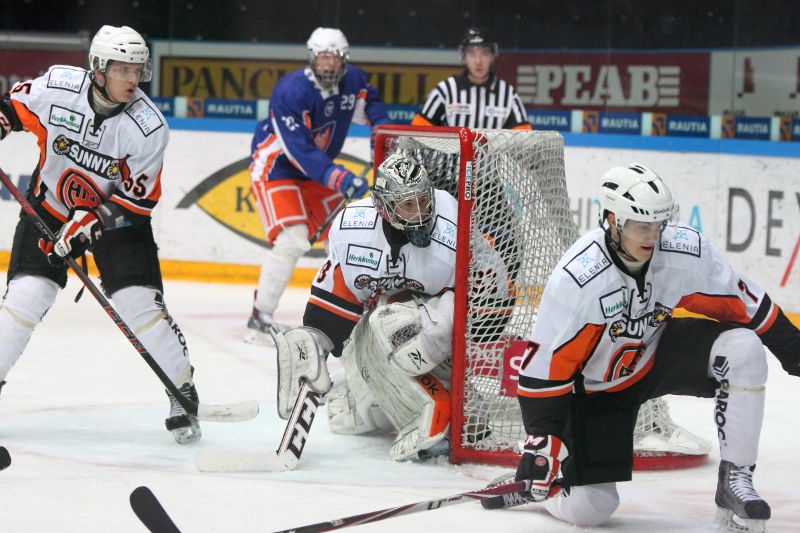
x=349, y=415
x=144, y=311
x=27, y=300
x=302, y=353
x=418, y=407
x=586, y=505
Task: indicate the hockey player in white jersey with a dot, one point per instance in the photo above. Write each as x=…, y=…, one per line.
x=383, y=303
x=97, y=181
x=606, y=341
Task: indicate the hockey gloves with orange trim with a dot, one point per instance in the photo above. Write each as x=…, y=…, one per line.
x=541, y=458
x=340, y=179
x=79, y=232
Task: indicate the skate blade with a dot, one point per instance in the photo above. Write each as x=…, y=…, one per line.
x=259, y=338
x=727, y=521
x=187, y=435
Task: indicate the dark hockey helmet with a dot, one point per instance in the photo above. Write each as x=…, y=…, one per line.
x=404, y=196
x=478, y=38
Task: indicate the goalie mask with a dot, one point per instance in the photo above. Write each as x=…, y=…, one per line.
x=635, y=194
x=403, y=196
x=328, y=54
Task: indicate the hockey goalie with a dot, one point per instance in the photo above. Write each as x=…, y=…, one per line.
x=383, y=304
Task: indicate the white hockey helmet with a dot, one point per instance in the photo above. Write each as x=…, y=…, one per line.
x=636, y=193
x=119, y=44
x=399, y=180
x=330, y=40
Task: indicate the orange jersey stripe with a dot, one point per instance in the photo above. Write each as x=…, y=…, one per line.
x=722, y=308
x=773, y=314
x=314, y=300
x=569, y=358
x=531, y=393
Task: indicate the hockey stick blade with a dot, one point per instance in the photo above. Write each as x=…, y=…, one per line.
x=428, y=505
x=230, y=412
x=150, y=511
x=288, y=454
x=219, y=413
x=5, y=458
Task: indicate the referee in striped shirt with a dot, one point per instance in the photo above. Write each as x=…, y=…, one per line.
x=476, y=98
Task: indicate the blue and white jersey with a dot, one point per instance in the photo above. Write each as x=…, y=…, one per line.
x=307, y=124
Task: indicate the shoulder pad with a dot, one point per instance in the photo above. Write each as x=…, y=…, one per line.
x=587, y=264
x=66, y=78
x=145, y=116
x=444, y=232
x=359, y=217
x=682, y=240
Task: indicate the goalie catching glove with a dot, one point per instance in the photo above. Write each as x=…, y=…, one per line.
x=541, y=458
x=415, y=335
x=302, y=353
x=80, y=231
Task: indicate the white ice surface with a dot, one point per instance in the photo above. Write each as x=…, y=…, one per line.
x=82, y=416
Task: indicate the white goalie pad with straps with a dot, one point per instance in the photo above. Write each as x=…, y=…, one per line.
x=415, y=335
x=352, y=408
x=302, y=353
x=417, y=406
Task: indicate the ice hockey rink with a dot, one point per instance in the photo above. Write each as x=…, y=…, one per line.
x=82, y=416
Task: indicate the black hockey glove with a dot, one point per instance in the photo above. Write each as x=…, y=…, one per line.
x=541, y=458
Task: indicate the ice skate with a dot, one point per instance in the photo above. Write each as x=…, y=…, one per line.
x=184, y=427
x=258, y=329
x=737, y=496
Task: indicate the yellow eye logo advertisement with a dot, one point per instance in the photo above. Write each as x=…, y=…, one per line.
x=226, y=197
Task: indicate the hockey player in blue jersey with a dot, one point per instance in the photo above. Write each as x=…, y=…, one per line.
x=295, y=182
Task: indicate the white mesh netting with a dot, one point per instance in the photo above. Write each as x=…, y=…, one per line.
x=521, y=206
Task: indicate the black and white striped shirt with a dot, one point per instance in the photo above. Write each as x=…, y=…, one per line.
x=458, y=102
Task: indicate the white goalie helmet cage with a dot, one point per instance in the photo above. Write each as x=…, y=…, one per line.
x=635, y=193
x=119, y=44
x=328, y=40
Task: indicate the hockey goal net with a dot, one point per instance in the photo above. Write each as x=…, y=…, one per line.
x=512, y=192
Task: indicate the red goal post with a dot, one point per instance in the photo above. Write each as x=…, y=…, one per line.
x=512, y=194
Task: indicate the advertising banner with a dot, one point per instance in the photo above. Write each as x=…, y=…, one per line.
x=253, y=79
x=672, y=82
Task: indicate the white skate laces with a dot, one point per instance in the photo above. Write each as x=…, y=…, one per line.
x=736, y=496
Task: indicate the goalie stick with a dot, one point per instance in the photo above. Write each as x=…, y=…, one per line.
x=152, y=514
x=347, y=196
x=235, y=412
x=284, y=458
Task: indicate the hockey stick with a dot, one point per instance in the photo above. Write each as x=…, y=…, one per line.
x=347, y=196
x=150, y=511
x=429, y=505
x=235, y=412
x=284, y=458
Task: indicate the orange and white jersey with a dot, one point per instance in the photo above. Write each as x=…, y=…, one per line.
x=362, y=265
x=599, y=322
x=85, y=160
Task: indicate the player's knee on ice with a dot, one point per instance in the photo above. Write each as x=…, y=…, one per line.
x=586, y=505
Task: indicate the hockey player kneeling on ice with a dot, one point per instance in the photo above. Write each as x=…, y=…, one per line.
x=98, y=115
x=384, y=300
x=605, y=341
